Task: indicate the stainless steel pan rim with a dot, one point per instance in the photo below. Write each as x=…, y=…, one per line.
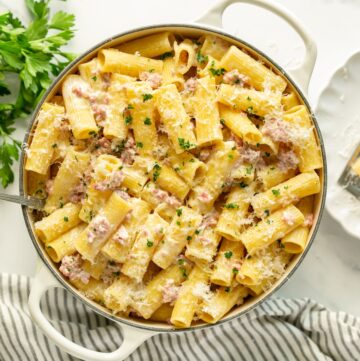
x=28, y=222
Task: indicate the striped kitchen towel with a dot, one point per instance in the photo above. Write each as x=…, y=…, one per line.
x=279, y=329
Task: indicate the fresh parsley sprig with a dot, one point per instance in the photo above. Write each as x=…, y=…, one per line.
x=32, y=56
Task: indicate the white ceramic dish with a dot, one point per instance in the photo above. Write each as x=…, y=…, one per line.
x=338, y=112
x=136, y=332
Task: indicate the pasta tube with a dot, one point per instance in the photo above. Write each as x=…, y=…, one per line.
x=78, y=108
x=150, y=46
x=144, y=247
x=307, y=148
x=263, y=268
x=121, y=242
x=219, y=166
x=180, y=231
x=176, y=121
x=240, y=125
x=156, y=290
x=185, y=56
x=224, y=299
x=68, y=177
x=189, y=296
x=249, y=100
x=295, y=241
x=227, y=261
x=58, y=222
x=290, y=191
x=115, y=61
x=203, y=247
x=168, y=180
x=46, y=134
x=208, y=127
x=119, y=295
x=274, y=227
x=214, y=46
x=102, y=226
x=261, y=77
x=65, y=244
x=272, y=175
x=235, y=209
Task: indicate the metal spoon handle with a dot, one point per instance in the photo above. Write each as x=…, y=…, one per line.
x=30, y=202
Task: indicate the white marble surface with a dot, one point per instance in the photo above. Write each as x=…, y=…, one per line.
x=330, y=273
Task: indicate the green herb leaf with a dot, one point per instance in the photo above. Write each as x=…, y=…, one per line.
x=34, y=57
x=228, y=254
x=147, y=121
x=201, y=58
x=275, y=192
x=146, y=97
x=231, y=206
x=156, y=171
x=185, y=144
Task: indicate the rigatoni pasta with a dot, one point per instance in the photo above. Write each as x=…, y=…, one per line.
x=179, y=177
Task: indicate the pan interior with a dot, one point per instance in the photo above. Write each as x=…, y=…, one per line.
x=192, y=31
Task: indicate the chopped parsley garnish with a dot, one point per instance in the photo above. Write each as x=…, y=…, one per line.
x=92, y=133
x=276, y=192
x=146, y=97
x=250, y=110
x=217, y=72
x=176, y=169
x=230, y=156
x=188, y=238
x=231, y=206
x=66, y=219
x=197, y=231
x=156, y=172
x=228, y=289
x=267, y=213
x=130, y=106
x=147, y=121
x=94, y=78
x=185, y=144
x=249, y=99
x=235, y=271
x=222, y=121
x=168, y=54
x=117, y=273
x=201, y=58
x=228, y=254
x=183, y=272
x=243, y=184
x=149, y=243
x=249, y=169
x=286, y=187
x=181, y=261
x=54, y=145
x=179, y=212
x=139, y=145
x=128, y=119
x=178, y=223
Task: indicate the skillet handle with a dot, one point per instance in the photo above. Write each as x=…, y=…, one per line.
x=43, y=281
x=302, y=73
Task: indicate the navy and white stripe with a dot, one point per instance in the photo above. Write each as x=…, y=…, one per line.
x=279, y=329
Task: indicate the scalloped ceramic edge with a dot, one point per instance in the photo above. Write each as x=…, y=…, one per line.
x=338, y=112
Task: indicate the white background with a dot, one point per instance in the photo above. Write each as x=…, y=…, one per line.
x=330, y=273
